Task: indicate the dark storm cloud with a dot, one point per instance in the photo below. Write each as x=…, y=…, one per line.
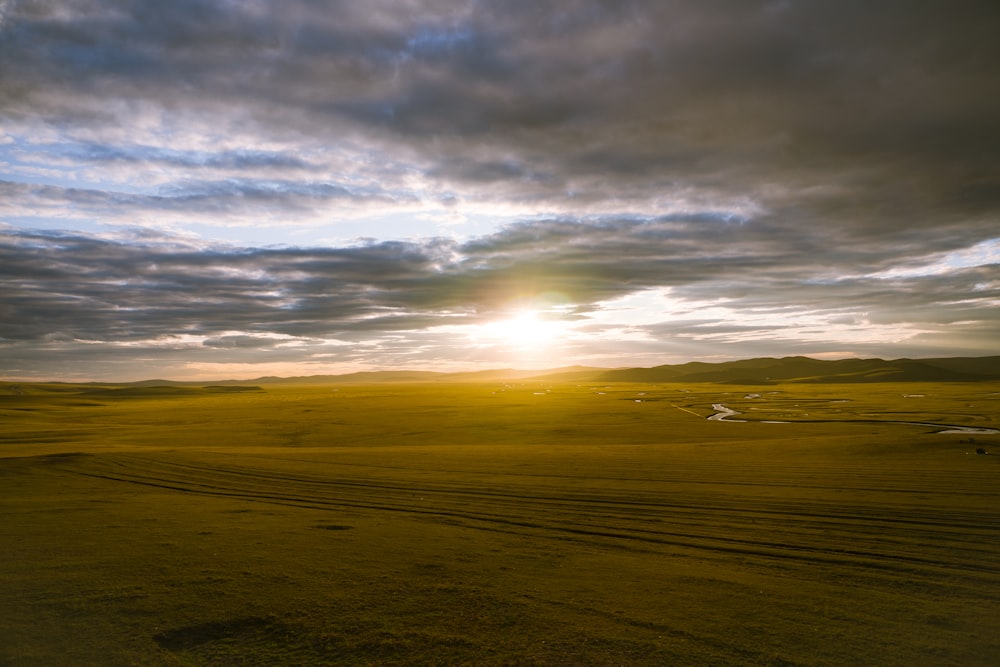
x=97, y=290
x=894, y=105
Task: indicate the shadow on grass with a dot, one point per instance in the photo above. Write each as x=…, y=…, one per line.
x=191, y=636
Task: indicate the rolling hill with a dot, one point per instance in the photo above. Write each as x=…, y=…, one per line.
x=765, y=370
x=805, y=369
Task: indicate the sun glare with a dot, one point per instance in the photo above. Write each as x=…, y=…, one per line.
x=525, y=329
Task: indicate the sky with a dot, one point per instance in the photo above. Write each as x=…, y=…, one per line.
x=238, y=188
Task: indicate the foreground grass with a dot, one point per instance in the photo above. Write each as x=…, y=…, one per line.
x=492, y=524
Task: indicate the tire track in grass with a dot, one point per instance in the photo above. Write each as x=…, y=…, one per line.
x=953, y=520
x=518, y=498
x=808, y=515
x=924, y=549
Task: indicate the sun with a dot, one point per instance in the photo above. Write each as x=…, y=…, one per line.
x=525, y=329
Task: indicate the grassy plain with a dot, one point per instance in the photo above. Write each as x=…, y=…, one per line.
x=492, y=524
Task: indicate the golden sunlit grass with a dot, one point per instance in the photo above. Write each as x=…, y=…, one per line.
x=498, y=524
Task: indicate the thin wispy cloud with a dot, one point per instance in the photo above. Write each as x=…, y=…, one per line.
x=195, y=185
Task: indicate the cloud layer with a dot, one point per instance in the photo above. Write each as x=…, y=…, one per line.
x=818, y=177
x=644, y=290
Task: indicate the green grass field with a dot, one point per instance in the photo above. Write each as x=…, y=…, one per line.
x=493, y=524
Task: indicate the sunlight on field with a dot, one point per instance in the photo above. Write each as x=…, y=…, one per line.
x=514, y=523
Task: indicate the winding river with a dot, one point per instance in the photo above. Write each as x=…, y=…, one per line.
x=727, y=414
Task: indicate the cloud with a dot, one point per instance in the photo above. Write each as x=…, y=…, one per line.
x=781, y=159
x=231, y=201
x=77, y=290
x=572, y=105
x=235, y=160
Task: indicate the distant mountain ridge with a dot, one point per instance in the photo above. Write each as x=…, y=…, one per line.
x=768, y=370
x=761, y=370
x=758, y=371
x=389, y=376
